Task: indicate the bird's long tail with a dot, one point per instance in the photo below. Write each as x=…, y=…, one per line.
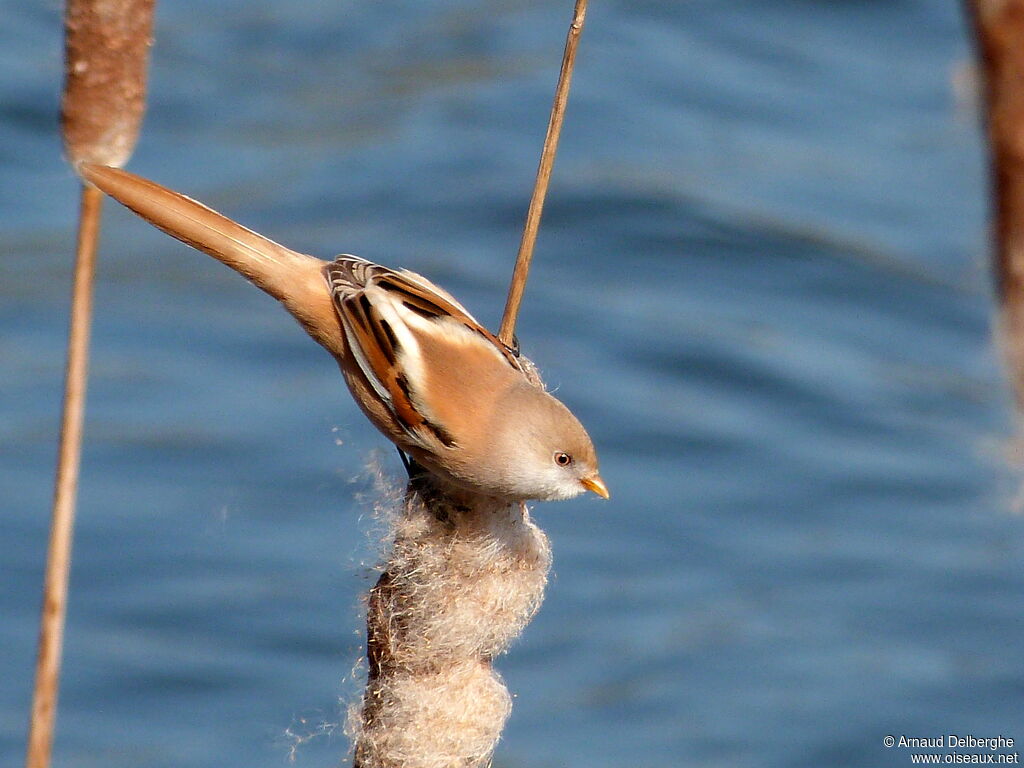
x=294, y=279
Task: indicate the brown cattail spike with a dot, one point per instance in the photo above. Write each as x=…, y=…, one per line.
x=107, y=42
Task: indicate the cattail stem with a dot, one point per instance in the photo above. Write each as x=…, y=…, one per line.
x=106, y=47
x=55, y=590
x=540, y=186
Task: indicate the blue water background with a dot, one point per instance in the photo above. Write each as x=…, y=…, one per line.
x=761, y=282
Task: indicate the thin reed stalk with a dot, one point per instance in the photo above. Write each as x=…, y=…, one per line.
x=58, y=563
x=540, y=187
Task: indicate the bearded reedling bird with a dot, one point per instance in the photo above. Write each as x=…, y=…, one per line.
x=433, y=380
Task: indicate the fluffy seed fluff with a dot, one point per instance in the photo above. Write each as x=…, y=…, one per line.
x=464, y=576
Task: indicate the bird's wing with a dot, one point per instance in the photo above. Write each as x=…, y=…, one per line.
x=374, y=304
x=428, y=300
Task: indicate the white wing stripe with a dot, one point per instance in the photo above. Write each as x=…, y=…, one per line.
x=394, y=313
x=364, y=365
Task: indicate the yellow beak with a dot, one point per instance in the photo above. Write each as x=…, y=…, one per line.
x=596, y=484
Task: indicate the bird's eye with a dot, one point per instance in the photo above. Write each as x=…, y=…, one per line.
x=563, y=459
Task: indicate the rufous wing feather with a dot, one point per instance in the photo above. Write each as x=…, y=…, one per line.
x=373, y=348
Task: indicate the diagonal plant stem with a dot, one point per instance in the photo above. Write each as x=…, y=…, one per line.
x=540, y=187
